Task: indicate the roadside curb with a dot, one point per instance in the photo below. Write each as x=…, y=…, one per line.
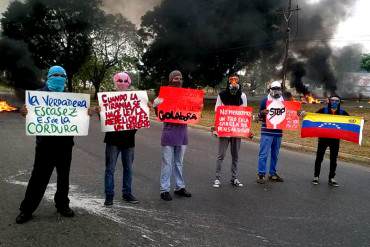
x=361, y=160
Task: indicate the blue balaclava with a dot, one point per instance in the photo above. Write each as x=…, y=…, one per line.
x=334, y=103
x=57, y=78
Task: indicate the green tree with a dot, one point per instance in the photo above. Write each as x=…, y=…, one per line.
x=55, y=31
x=365, y=62
x=115, y=45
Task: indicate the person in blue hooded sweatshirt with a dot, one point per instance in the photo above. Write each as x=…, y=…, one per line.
x=51, y=152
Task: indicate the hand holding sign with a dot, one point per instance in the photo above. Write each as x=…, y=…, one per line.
x=283, y=115
x=276, y=113
x=233, y=121
x=124, y=110
x=56, y=114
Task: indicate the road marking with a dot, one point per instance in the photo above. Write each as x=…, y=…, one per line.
x=94, y=205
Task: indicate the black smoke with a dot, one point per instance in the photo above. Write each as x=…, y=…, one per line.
x=207, y=39
x=16, y=61
x=298, y=71
x=311, y=36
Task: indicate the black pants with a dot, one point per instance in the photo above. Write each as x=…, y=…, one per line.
x=333, y=144
x=46, y=158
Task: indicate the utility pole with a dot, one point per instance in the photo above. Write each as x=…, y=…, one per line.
x=287, y=14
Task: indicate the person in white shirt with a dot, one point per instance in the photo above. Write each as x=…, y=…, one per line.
x=232, y=95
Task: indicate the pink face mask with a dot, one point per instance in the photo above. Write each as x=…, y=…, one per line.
x=122, y=81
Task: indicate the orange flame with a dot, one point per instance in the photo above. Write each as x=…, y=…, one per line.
x=4, y=106
x=311, y=100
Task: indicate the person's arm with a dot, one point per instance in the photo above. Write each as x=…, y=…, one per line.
x=218, y=102
x=157, y=101
x=244, y=100
x=91, y=111
x=263, y=111
x=345, y=113
x=321, y=110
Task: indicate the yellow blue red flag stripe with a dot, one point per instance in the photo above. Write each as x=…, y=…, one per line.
x=347, y=128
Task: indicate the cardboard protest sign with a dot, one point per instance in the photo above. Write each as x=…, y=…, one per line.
x=282, y=115
x=180, y=105
x=291, y=117
x=233, y=121
x=57, y=114
x=124, y=110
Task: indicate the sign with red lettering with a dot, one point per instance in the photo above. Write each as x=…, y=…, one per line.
x=292, y=118
x=233, y=121
x=180, y=105
x=124, y=110
x=282, y=115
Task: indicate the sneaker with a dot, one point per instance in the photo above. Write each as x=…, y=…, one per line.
x=166, y=196
x=315, y=181
x=333, y=183
x=182, y=192
x=276, y=178
x=217, y=184
x=108, y=202
x=23, y=218
x=66, y=212
x=130, y=199
x=235, y=182
x=261, y=179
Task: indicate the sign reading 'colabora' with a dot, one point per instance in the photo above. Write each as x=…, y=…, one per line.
x=57, y=114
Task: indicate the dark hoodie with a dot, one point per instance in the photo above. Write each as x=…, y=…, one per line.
x=229, y=99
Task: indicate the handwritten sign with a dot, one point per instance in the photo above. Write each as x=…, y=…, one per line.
x=124, y=110
x=291, y=117
x=283, y=115
x=57, y=114
x=180, y=105
x=233, y=121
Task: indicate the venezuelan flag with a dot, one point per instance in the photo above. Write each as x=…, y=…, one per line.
x=333, y=126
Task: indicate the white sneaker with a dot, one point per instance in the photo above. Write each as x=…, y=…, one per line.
x=217, y=184
x=333, y=183
x=236, y=183
x=315, y=181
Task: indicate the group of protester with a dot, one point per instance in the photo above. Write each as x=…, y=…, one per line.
x=56, y=151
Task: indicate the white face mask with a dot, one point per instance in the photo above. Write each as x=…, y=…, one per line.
x=234, y=89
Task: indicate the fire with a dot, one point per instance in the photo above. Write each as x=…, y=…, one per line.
x=312, y=100
x=4, y=106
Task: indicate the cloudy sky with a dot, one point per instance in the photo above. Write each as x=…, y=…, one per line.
x=356, y=28
x=353, y=30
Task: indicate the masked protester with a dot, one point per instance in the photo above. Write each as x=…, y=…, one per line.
x=333, y=108
x=173, y=141
x=232, y=95
x=51, y=151
x=270, y=138
x=119, y=142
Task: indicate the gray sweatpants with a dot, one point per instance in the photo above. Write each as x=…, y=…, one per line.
x=223, y=144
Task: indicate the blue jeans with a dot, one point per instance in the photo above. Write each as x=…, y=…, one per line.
x=267, y=143
x=111, y=156
x=172, y=163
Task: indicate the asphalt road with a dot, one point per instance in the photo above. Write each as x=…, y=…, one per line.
x=293, y=213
